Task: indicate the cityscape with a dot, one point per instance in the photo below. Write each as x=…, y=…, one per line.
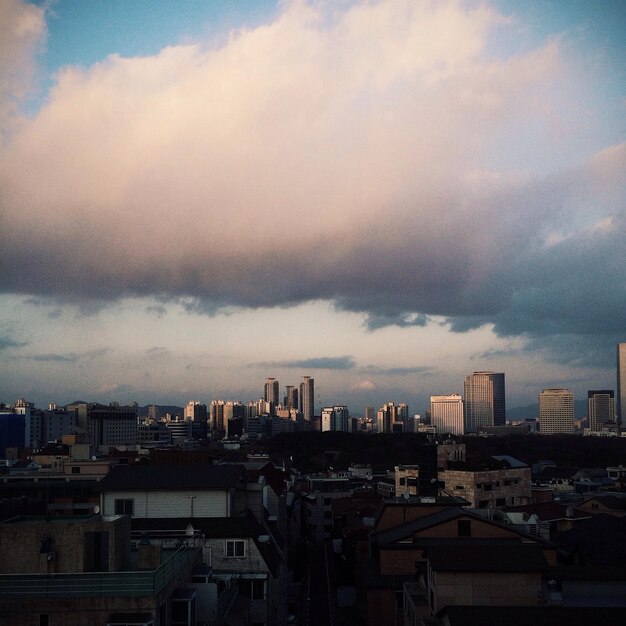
x=312, y=313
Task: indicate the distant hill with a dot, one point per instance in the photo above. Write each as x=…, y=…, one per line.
x=532, y=410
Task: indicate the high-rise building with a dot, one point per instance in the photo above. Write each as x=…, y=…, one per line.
x=392, y=417
x=601, y=408
x=272, y=391
x=196, y=413
x=446, y=414
x=216, y=415
x=621, y=383
x=556, y=412
x=484, y=400
x=307, y=398
x=291, y=397
x=335, y=418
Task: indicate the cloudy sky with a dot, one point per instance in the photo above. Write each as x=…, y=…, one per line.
x=384, y=195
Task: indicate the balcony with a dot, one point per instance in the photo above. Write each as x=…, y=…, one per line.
x=97, y=584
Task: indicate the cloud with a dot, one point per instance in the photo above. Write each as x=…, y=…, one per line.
x=7, y=342
x=70, y=357
x=157, y=352
x=323, y=362
x=365, y=385
x=336, y=155
x=22, y=34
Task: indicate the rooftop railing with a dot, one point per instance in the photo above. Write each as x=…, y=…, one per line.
x=94, y=584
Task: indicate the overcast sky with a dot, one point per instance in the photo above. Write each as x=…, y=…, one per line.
x=385, y=196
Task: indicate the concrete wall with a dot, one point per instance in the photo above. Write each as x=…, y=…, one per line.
x=21, y=541
x=471, y=486
x=171, y=503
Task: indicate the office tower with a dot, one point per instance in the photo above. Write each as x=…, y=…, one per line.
x=621, y=383
x=556, y=412
x=335, y=418
x=216, y=415
x=390, y=414
x=484, y=400
x=195, y=411
x=272, y=391
x=112, y=425
x=601, y=408
x=446, y=414
x=291, y=397
x=369, y=413
x=307, y=398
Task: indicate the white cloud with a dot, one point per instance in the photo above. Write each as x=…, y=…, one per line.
x=333, y=154
x=22, y=33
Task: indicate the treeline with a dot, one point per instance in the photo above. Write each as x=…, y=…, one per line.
x=314, y=452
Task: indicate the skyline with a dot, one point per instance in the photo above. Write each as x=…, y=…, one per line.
x=385, y=196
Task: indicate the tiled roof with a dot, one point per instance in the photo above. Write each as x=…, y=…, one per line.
x=404, y=531
x=171, y=478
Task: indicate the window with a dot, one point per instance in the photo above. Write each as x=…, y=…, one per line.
x=253, y=589
x=488, y=487
x=124, y=506
x=76, y=469
x=507, y=483
x=500, y=501
x=459, y=487
x=235, y=548
x=464, y=528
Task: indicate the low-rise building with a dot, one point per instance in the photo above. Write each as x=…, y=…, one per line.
x=488, y=487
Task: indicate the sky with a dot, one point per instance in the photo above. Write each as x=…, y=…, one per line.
x=384, y=195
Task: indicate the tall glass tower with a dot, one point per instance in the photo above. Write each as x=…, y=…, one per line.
x=485, y=403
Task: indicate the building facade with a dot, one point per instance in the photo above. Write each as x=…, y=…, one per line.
x=307, y=398
x=335, y=418
x=271, y=391
x=621, y=383
x=485, y=403
x=601, y=408
x=556, y=412
x=446, y=414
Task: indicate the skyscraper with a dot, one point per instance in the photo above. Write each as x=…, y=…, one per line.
x=601, y=408
x=335, y=418
x=621, y=383
x=307, y=398
x=272, y=391
x=446, y=414
x=291, y=397
x=390, y=414
x=485, y=403
x=556, y=412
